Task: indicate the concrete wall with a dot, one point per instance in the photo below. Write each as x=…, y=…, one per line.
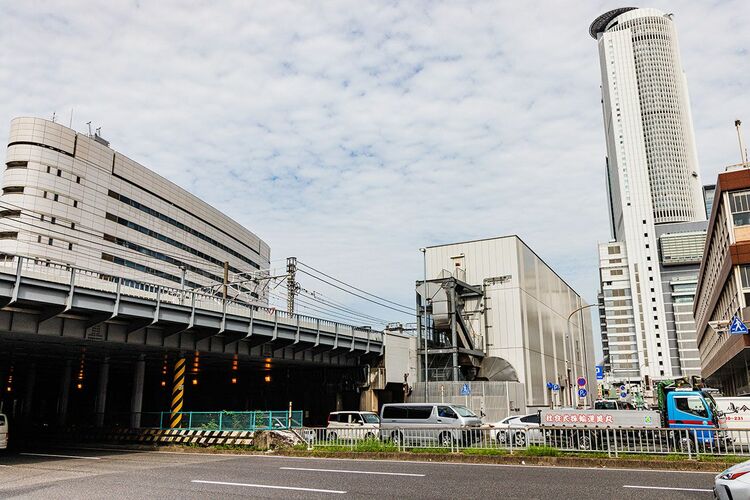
x=398, y=352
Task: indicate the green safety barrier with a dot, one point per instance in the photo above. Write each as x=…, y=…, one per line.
x=228, y=420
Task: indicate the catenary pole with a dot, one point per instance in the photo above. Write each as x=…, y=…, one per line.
x=424, y=320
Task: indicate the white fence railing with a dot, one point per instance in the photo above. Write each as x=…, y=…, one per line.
x=613, y=442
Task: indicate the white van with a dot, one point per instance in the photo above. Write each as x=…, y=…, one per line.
x=3, y=432
x=353, y=425
x=429, y=423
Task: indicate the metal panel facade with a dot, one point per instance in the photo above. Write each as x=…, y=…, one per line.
x=523, y=317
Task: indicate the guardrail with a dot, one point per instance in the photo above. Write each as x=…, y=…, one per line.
x=613, y=442
x=85, y=278
x=226, y=420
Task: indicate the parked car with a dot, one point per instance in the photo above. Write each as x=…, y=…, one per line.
x=353, y=425
x=517, y=430
x=429, y=424
x=611, y=404
x=3, y=432
x=733, y=483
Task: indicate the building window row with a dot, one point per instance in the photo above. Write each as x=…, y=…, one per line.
x=167, y=239
x=146, y=269
x=161, y=256
x=180, y=225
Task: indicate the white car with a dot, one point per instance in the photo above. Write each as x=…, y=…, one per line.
x=353, y=425
x=3, y=432
x=733, y=483
x=517, y=430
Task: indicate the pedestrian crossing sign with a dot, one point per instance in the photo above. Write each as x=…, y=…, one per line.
x=737, y=327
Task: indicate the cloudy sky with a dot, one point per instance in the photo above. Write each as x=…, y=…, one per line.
x=349, y=134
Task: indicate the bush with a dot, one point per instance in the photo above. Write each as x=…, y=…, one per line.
x=211, y=425
x=540, y=451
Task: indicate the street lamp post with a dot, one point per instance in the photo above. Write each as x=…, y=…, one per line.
x=424, y=320
x=572, y=353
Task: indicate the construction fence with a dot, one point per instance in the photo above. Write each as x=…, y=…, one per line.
x=492, y=400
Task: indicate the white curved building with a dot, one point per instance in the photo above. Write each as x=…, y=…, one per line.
x=647, y=116
x=654, y=188
x=69, y=198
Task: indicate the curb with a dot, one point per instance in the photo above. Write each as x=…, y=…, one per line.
x=619, y=463
x=603, y=463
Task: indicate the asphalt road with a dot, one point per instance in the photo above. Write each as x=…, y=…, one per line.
x=87, y=473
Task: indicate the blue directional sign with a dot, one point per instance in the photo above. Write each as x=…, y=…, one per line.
x=623, y=395
x=737, y=327
x=622, y=388
x=465, y=390
x=555, y=387
x=599, y=372
x=582, y=392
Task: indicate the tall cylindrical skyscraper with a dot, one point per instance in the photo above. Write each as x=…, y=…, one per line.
x=653, y=182
x=646, y=103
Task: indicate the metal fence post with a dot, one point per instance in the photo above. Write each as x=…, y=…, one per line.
x=509, y=439
x=695, y=437
x=221, y=420
x=609, y=451
x=190, y=420
x=616, y=453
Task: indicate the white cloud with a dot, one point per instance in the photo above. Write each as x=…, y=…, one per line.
x=349, y=134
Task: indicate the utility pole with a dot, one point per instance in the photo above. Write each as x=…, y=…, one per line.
x=291, y=283
x=226, y=280
x=424, y=323
x=743, y=151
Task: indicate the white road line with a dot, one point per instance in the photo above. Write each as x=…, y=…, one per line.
x=225, y=456
x=59, y=456
x=354, y=471
x=267, y=486
x=424, y=462
x=664, y=488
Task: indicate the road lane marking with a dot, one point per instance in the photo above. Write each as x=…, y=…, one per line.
x=267, y=486
x=664, y=488
x=354, y=471
x=225, y=456
x=59, y=456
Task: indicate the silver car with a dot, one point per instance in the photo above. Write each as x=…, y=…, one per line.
x=3, y=432
x=517, y=430
x=427, y=424
x=733, y=483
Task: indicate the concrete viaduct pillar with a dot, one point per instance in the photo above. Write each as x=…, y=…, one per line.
x=136, y=401
x=101, y=396
x=30, y=381
x=62, y=405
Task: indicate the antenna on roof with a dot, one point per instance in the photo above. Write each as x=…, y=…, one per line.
x=743, y=151
x=89, y=124
x=70, y=124
x=53, y=117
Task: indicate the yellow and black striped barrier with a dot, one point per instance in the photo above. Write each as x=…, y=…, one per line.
x=178, y=394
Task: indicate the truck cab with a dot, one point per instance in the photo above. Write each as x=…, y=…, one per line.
x=692, y=409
